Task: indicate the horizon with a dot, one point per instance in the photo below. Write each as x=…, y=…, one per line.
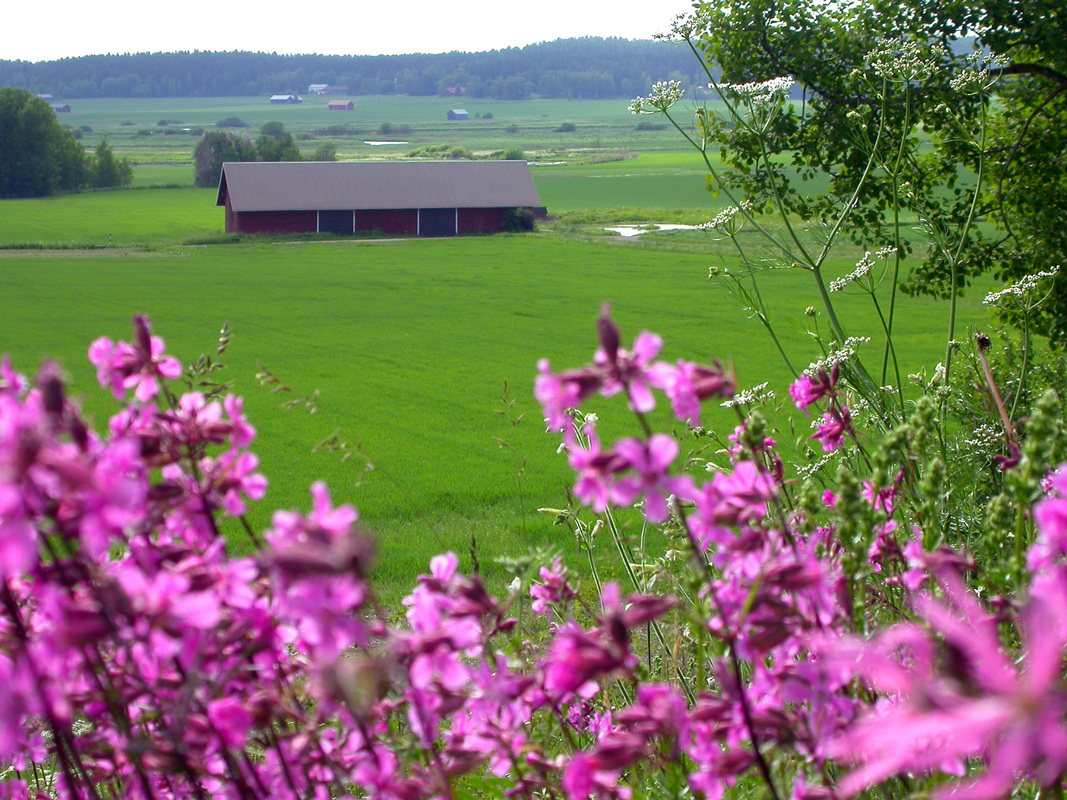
x=469, y=26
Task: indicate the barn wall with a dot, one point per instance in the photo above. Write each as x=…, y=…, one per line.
x=398, y=222
x=480, y=220
x=231, y=217
x=273, y=222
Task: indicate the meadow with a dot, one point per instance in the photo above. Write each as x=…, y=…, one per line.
x=409, y=364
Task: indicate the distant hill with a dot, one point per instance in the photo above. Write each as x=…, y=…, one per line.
x=588, y=67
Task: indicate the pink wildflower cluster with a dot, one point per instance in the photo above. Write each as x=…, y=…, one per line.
x=633, y=372
x=837, y=419
x=954, y=697
x=138, y=658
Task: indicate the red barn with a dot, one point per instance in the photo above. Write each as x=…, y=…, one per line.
x=404, y=198
x=341, y=105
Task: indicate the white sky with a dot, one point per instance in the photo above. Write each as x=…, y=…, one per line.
x=361, y=27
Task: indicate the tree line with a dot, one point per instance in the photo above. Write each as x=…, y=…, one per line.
x=582, y=68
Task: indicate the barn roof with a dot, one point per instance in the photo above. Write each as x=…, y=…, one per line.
x=328, y=185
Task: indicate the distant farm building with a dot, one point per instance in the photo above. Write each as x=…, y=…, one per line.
x=458, y=113
x=61, y=108
x=402, y=198
x=318, y=88
x=337, y=89
x=286, y=99
x=46, y=97
x=341, y=105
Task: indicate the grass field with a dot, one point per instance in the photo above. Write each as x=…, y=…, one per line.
x=409, y=345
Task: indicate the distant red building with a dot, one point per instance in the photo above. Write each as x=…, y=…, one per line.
x=403, y=198
x=341, y=105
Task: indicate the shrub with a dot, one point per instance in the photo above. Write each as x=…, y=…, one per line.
x=231, y=122
x=512, y=128
x=439, y=151
x=566, y=127
x=518, y=220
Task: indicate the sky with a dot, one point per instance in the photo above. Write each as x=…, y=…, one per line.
x=363, y=27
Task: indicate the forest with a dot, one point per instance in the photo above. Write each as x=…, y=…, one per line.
x=583, y=68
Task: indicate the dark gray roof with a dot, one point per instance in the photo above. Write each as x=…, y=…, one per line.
x=326, y=185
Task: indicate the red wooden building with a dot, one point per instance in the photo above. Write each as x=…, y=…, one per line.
x=403, y=198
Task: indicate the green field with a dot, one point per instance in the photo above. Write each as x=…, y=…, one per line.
x=409, y=346
x=420, y=354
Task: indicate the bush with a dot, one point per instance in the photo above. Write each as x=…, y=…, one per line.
x=231, y=122
x=325, y=152
x=512, y=128
x=566, y=127
x=518, y=220
x=513, y=154
x=440, y=151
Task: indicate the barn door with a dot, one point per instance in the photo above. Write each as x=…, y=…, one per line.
x=339, y=223
x=437, y=222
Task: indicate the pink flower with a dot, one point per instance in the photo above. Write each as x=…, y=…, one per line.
x=139, y=366
x=650, y=461
x=231, y=720
x=833, y=428
x=558, y=393
x=596, y=470
x=806, y=391
x=977, y=705
x=688, y=384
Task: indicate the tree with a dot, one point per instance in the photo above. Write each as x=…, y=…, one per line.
x=217, y=147
x=276, y=144
x=37, y=156
x=106, y=171
x=1019, y=104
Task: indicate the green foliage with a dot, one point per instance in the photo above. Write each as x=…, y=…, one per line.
x=231, y=122
x=439, y=151
x=511, y=154
x=106, y=171
x=276, y=144
x=518, y=220
x=566, y=127
x=1001, y=126
x=216, y=148
x=325, y=152
x=37, y=156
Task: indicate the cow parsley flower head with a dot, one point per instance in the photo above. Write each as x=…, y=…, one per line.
x=759, y=93
x=1022, y=288
x=664, y=95
x=905, y=62
x=980, y=73
x=724, y=219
